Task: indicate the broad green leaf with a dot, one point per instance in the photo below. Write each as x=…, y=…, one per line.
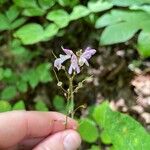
x=105, y=137
x=95, y=147
x=4, y=106
x=7, y=73
x=88, y=130
x=118, y=16
x=58, y=103
x=12, y=13
x=124, y=132
x=33, y=78
x=25, y=3
x=79, y=11
x=144, y=43
x=145, y=8
x=99, y=6
x=22, y=86
x=8, y=93
x=30, y=33
x=129, y=2
x=46, y=4
x=19, y=105
x=41, y=106
x=30, y=12
x=60, y=17
x=118, y=33
x=4, y=22
x=18, y=22
x=43, y=72
x=50, y=31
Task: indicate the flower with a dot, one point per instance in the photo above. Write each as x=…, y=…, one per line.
x=76, y=61
x=58, y=62
x=86, y=55
x=74, y=65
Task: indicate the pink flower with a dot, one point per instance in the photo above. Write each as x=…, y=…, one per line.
x=75, y=61
x=74, y=65
x=86, y=55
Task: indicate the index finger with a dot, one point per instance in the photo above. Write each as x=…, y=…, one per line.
x=18, y=125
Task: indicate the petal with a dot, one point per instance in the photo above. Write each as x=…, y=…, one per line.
x=58, y=62
x=67, y=51
x=87, y=54
x=70, y=69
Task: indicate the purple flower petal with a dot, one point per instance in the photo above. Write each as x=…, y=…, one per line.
x=87, y=54
x=74, y=65
x=58, y=62
x=68, y=51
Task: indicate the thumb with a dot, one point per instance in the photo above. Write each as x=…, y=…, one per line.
x=64, y=140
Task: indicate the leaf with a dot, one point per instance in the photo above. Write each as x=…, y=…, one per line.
x=46, y=4
x=60, y=17
x=43, y=72
x=25, y=3
x=118, y=16
x=12, y=13
x=144, y=43
x=105, y=137
x=129, y=2
x=99, y=6
x=19, y=105
x=30, y=12
x=4, y=24
x=7, y=73
x=8, y=93
x=88, y=130
x=24, y=33
x=124, y=132
x=4, y=106
x=33, y=78
x=95, y=147
x=22, y=86
x=18, y=22
x=118, y=33
x=1, y=73
x=58, y=103
x=50, y=31
x=79, y=12
x=41, y=106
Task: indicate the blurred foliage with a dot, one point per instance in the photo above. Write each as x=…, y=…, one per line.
x=31, y=29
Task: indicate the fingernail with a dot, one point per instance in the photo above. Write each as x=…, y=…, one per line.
x=72, y=141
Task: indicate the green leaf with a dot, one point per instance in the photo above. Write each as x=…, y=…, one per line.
x=60, y=17
x=105, y=137
x=118, y=33
x=30, y=12
x=50, y=31
x=79, y=12
x=144, y=43
x=95, y=147
x=4, y=24
x=19, y=105
x=24, y=33
x=41, y=106
x=33, y=78
x=124, y=132
x=12, y=13
x=99, y=6
x=129, y=2
x=22, y=86
x=43, y=72
x=8, y=93
x=46, y=4
x=7, y=73
x=4, y=106
x=25, y=3
x=18, y=22
x=88, y=130
x=58, y=103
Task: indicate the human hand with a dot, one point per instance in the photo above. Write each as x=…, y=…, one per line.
x=26, y=130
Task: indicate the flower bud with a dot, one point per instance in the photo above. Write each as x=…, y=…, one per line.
x=59, y=83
